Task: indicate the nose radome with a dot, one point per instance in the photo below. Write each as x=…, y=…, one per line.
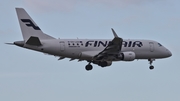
x=169, y=53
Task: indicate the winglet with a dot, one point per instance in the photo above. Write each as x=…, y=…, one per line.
x=115, y=35
x=116, y=40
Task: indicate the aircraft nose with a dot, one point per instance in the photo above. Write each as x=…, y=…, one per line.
x=169, y=53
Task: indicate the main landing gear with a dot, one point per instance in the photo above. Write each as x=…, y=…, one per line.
x=151, y=67
x=89, y=67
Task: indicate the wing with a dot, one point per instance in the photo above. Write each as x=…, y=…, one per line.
x=112, y=50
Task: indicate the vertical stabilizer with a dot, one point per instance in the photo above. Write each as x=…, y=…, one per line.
x=29, y=27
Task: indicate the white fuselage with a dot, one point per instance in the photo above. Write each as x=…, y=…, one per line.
x=85, y=49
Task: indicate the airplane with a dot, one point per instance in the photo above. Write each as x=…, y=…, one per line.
x=101, y=52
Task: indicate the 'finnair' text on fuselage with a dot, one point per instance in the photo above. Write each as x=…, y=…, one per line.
x=105, y=43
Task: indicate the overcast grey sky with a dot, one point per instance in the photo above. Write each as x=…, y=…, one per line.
x=26, y=75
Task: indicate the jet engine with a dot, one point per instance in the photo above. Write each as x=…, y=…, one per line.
x=127, y=56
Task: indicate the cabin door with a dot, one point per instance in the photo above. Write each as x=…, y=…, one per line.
x=62, y=45
x=151, y=44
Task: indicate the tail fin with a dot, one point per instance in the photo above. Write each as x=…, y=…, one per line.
x=29, y=27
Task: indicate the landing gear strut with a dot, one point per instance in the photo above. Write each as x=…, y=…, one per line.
x=89, y=67
x=151, y=67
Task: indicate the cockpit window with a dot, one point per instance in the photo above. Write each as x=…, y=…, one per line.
x=159, y=44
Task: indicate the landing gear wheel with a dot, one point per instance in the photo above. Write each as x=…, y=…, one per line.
x=89, y=67
x=151, y=67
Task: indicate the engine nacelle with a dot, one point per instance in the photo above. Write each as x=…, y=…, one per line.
x=127, y=56
x=103, y=63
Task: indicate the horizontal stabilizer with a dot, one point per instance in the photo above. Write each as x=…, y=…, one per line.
x=10, y=43
x=34, y=41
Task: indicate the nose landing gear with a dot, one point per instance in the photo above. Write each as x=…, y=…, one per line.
x=151, y=67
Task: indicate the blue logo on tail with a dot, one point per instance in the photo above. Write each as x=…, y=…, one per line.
x=29, y=23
